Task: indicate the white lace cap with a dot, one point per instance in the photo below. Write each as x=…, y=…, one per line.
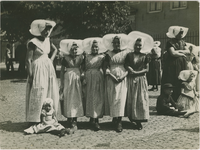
x=37, y=26
x=108, y=39
x=174, y=30
x=87, y=44
x=66, y=44
x=147, y=41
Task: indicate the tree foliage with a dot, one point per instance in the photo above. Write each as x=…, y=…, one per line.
x=79, y=19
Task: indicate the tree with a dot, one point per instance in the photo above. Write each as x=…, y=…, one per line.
x=80, y=19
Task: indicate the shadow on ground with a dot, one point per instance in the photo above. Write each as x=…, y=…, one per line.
x=13, y=127
x=4, y=75
x=106, y=126
x=188, y=130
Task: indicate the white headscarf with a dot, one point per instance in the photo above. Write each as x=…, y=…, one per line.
x=88, y=42
x=37, y=26
x=147, y=41
x=108, y=39
x=66, y=44
x=173, y=31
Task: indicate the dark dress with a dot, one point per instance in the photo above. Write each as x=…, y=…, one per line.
x=154, y=74
x=137, y=104
x=163, y=105
x=173, y=66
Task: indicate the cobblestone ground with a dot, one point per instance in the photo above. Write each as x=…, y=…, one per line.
x=160, y=132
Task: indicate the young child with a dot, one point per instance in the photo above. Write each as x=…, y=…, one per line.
x=154, y=73
x=48, y=123
x=165, y=104
x=188, y=98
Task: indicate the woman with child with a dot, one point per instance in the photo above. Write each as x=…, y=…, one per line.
x=42, y=81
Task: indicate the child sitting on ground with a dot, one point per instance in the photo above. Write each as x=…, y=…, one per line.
x=189, y=97
x=165, y=104
x=49, y=123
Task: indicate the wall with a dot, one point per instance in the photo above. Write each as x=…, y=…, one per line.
x=159, y=22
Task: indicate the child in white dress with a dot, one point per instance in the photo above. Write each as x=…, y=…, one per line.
x=189, y=97
x=49, y=122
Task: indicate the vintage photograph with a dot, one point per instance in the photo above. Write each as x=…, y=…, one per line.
x=99, y=75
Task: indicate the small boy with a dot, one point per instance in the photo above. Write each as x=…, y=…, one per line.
x=165, y=104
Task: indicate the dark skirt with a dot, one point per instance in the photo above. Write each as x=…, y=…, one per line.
x=172, y=67
x=154, y=74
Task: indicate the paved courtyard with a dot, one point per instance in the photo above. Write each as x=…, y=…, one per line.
x=160, y=132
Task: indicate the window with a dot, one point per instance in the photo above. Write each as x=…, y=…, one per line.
x=133, y=2
x=178, y=5
x=154, y=7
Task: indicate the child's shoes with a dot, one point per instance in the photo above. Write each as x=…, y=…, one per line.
x=188, y=113
x=30, y=130
x=69, y=131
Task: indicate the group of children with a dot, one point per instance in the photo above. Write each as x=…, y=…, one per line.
x=188, y=101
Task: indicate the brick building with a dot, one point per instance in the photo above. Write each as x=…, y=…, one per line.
x=155, y=17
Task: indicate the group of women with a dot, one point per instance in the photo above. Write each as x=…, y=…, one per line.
x=99, y=76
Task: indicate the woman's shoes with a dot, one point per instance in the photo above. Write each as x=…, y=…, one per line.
x=119, y=127
x=96, y=127
x=62, y=133
x=139, y=126
x=118, y=123
x=95, y=124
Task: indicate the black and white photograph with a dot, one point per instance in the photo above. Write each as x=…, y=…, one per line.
x=99, y=74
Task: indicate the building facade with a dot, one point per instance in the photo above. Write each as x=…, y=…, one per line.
x=155, y=17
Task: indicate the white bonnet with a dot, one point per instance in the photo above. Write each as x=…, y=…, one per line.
x=195, y=49
x=87, y=44
x=48, y=101
x=174, y=30
x=156, y=48
x=157, y=43
x=37, y=26
x=147, y=41
x=66, y=44
x=185, y=74
x=108, y=39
